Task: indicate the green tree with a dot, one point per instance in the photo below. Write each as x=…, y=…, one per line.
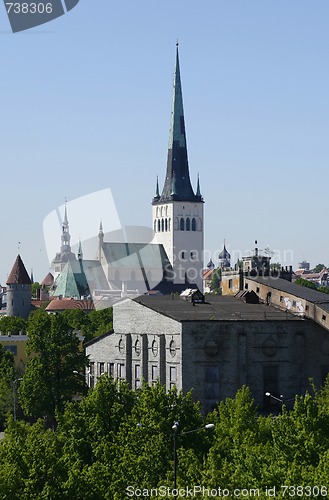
x=12, y=325
x=306, y=283
x=318, y=268
x=216, y=279
x=7, y=377
x=54, y=355
x=34, y=288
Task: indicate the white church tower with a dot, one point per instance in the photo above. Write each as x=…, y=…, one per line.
x=177, y=213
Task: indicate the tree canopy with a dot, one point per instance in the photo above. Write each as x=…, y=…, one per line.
x=116, y=438
x=55, y=354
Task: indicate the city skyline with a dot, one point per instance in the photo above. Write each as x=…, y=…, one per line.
x=86, y=107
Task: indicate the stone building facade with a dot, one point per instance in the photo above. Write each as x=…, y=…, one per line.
x=213, y=348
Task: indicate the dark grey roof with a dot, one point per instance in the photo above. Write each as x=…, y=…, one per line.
x=177, y=184
x=135, y=255
x=216, y=308
x=293, y=289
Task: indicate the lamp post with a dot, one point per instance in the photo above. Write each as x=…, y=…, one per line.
x=280, y=399
x=175, y=430
x=14, y=394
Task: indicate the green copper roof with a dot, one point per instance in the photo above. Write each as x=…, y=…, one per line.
x=80, y=278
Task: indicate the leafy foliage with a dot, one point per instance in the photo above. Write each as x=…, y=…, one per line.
x=49, y=380
x=12, y=325
x=98, y=449
x=306, y=283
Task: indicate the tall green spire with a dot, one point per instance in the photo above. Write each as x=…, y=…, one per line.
x=177, y=184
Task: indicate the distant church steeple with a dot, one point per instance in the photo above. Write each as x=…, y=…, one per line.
x=66, y=237
x=178, y=211
x=100, y=240
x=65, y=254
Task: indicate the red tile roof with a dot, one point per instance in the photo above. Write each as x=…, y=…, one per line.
x=65, y=303
x=48, y=280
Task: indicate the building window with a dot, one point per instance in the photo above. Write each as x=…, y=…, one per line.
x=138, y=383
x=182, y=224
x=293, y=303
x=11, y=348
x=172, y=376
x=281, y=298
x=172, y=348
x=324, y=317
x=158, y=225
x=137, y=347
x=306, y=307
x=162, y=225
x=211, y=385
x=92, y=374
x=188, y=224
x=155, y=374
x=257, y=289
x=324, y=373
x=121, y=346
x=270, y=384
x=230, y=284
x=154, y=348
x=101, y=368
x=166, y=225
x=155, y=226
x=193, y=255
x=193, y=224
x=110, y=369
x=121, y=371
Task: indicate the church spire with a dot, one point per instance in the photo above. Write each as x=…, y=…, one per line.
x=66, y=237
x=177, y=185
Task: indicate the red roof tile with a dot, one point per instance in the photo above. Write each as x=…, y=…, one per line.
x=65, y=303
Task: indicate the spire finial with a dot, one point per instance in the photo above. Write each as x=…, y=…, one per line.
x=198, y=191
x=177, y=43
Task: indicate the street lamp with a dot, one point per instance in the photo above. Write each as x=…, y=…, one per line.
x=14, y=394
x=280, y=399
x=175, y=430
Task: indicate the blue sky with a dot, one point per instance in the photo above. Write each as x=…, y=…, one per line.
x=85, y=106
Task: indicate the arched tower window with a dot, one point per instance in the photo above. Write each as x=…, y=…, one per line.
x=193, y=224
x=159, y=226
x=182, y=224
x=200, y=224
x=155, y=226
x=176, y=226
x=162, y=225
x=166, y=225
x=188, y=224
x=169, y=224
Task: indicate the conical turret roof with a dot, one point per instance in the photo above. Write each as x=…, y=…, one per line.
x=18, y=274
